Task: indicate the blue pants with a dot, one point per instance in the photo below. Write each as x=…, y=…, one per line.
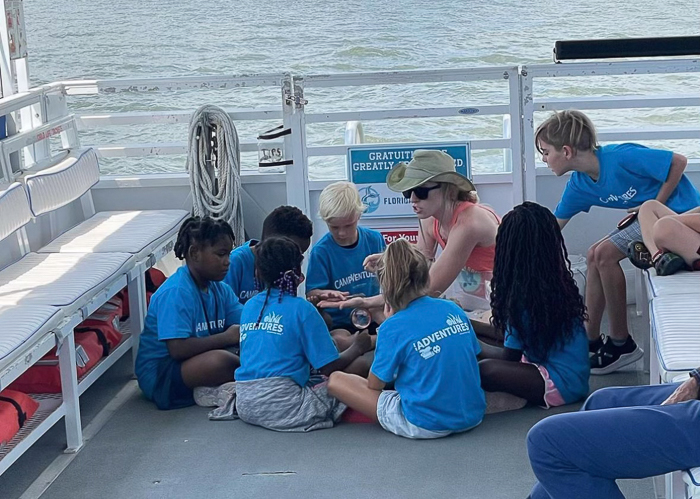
x=619, y=433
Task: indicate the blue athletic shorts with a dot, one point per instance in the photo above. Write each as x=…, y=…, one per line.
x=170, y=391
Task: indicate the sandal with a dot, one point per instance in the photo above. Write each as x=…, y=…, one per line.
x=669, y=264
x=639, y=255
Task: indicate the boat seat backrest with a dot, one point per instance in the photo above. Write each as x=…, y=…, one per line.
x=14, y=209
x=64, y=182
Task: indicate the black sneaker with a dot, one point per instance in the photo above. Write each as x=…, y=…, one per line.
x=669, y=264
x=594, y=346
x=610, y=358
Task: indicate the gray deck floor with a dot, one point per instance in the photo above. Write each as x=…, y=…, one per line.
x=142, y=452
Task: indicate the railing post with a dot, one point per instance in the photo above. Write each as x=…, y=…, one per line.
x=514, y=131
x=528, y=135
x=297, y=174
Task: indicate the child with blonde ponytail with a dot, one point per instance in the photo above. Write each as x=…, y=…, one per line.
x=427, y=348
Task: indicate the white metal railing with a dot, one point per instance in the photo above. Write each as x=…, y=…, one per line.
x=532, y=75
x=50, y=108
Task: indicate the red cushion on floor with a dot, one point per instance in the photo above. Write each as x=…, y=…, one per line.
x=353, y=416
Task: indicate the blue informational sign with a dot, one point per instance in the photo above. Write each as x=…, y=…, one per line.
x=369, y=165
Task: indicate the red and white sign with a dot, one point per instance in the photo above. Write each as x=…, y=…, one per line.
x=392, y=234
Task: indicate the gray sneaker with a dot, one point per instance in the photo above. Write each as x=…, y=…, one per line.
x=214, y=396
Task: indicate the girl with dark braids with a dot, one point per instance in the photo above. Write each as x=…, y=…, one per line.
x=192, y=319
x=536, y=303
x=283, y=336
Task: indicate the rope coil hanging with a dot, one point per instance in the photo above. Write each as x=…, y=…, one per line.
x=214, y=165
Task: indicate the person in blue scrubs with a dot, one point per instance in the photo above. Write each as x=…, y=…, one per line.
x=625, y=432
x=427, y=348
x=288, y=221
x=192, y=320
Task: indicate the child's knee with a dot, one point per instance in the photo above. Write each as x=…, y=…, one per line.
x=606, y=254
x=488, y=369
x=224, y=361
x=333, y=381
x=649, y=207
x=665, y=229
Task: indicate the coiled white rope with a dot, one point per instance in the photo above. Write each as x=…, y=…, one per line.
x=214, y=165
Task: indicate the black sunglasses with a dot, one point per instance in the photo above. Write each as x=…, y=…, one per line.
x=420, y=192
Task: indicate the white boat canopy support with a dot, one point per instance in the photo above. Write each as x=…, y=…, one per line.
x=214, y=165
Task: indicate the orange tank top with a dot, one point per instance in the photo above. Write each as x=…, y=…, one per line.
x=481, y=258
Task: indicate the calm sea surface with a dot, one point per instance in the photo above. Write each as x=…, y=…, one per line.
x=87, y=39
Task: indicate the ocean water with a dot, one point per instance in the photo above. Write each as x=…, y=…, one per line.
x=97, y=39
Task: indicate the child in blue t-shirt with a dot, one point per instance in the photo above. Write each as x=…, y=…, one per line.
x=282, y=337
x=192, y=320
x=336, y=262
x=621, y=176
x=427, y=348
x=534, y=299
x=286, y=221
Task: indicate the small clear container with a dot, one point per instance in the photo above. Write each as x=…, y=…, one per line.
x=361, y=318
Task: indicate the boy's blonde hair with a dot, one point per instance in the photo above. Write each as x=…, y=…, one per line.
x=403, y=273
x=567, y=128
x=340, y=199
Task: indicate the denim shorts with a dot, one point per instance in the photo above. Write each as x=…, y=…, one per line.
x=391, y=417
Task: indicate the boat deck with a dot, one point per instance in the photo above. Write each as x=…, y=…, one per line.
x=141, y=452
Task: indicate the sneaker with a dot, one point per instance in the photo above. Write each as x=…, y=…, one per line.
x=594, y=346
x=610, y=358
x=639, y=255
x=214, y=396
x=669, y=264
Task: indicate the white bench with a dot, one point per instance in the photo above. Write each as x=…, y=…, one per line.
x=63, y=282
x=145, y=235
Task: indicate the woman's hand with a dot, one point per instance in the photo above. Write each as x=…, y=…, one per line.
x=686, y=391
x=327, y=295
x=356, y=302
x=371, y=262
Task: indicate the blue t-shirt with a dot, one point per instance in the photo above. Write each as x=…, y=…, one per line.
x=629, y=175
x=179, y=309
x=568, y=365
x=241, y=272
x=332, y=266
x=429, y=350
x=290, y=337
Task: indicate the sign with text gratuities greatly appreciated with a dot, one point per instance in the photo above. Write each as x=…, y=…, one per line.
x=369, y=164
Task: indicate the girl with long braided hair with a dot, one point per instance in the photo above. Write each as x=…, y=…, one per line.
x=283, y=337
x=536, y=302
x=192, y=320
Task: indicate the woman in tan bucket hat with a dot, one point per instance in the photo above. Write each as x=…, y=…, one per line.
x=456, y=232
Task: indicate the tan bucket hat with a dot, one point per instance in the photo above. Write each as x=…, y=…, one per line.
x=426, y=166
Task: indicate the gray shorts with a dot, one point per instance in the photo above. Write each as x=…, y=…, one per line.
x=622, y=238
x=391, y=417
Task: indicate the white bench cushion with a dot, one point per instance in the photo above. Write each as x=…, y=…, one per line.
x=14, y=209
x=67, y=280
x=675, y=322
x=677, y=284
x=135, y=232
x=19, y=323
x=63, y=183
